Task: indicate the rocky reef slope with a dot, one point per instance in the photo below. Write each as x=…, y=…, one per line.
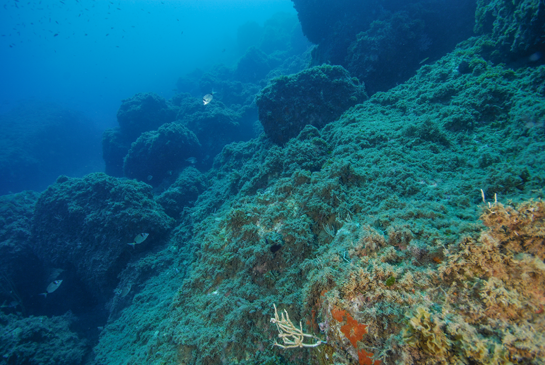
x=410, y=229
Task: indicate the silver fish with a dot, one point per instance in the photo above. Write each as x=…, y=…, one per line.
x=141, y=237
x=207, y=99
x=52, y=287
x=191, y=160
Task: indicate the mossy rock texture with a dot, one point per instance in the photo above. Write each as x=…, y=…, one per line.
x=156, y=154
x=315, y=96
x=85, y=225
x=40, y=340
x=143, y=112
x=515, y=29
x=184, y=192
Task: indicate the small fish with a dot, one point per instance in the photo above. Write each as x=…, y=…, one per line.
x=150, y=177
x=126, y=290
x=139, y=239
x=52, y=287
x=207, y=98
x=56, y=34
x=191, y=160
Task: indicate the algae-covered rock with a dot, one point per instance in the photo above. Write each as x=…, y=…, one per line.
x=40, y=340
x=15, y=218
x=86, y=224
x=515, y=28
x=114, y=148
x=156, y=154
x=215, y=124
x=354, y=227
x=18, y=266
x=368, y=233
x=383, y=43
x=315, y=96
x=143, y=112
x=374, y=56
x=183, y=192
x=307, y=152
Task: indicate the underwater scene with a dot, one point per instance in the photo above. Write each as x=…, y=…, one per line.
x=272, y=182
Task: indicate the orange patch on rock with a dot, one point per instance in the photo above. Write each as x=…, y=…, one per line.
x=338, y=314
x=353, y=330
x=364, y=358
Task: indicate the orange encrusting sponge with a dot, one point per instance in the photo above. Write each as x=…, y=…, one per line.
x=354, y=331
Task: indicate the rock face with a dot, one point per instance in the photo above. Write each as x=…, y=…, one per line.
x=114, y=149
x=41, y=340
x=185, y=190
x=85, y=225
x=516, y=30
x=156, y=153
x=278, y=47
x=19, y=267
x=144, y=112
x=315, y=96
x=383, y=42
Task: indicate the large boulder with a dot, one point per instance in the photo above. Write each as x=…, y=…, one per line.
x=184, y=192
x=114, y=149
x=315, y=96
x=41, y=340
x=143, y=112
x=83, y=226
x=383, y=43
x=216, y=124
x=19, y=267
x=515, y=28
x=157, y=154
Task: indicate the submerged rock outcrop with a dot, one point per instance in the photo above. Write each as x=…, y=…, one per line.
x=142, y=113
x=383, y=43
x=41, y=340
x=183, y=192
x=371, y=232
x=315, y=96
x=86, y=224
x=158, y=154
x=515, y=30
x=407, y=229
